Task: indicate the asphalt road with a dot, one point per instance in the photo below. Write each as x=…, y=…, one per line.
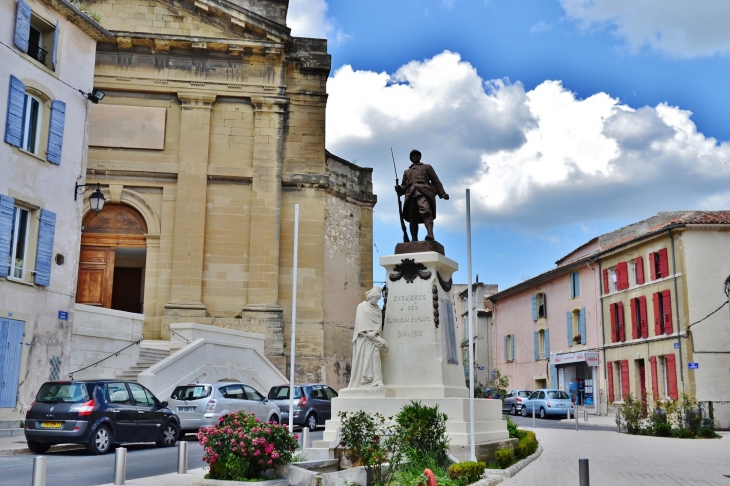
x=79, y=468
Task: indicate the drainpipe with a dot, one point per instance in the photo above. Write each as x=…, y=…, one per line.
x=676, y=304
x=598, y=339
x=603, y=346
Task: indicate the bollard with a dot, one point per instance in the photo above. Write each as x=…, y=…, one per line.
x=585, y=414
x=120, y=465
x=618, y=419
x=305, y=438
x=182, y=457
x=576, y=418
x=583, y=472
x=39, y=471
x=568, y=413
x=533, y=415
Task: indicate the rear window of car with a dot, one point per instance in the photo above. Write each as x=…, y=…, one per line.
x=191, y=392
x=282, y=393
x=62, y=393
x=558, y=395
x=525, y=393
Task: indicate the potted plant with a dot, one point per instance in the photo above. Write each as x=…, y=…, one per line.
x=577, y=338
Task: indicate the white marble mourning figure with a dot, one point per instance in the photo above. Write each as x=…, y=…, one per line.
x=367, y=343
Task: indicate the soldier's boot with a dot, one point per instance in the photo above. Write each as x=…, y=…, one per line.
x=414, y=231
x=428, y=223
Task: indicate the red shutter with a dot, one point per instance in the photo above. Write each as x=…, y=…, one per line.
x=667, y=298
x=672, y=376
x=642, y=314
x=625, y=388
x=654, y=379
x=657, y=315
x=622, y=277
x=605, y=280
x=611, y=309
x=652, y=266
x=609, y=370
x=621, y=327
x=639, y=270
x=634, y=324
x=663, y=263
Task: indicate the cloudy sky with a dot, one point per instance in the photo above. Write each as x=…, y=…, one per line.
x=566, y=118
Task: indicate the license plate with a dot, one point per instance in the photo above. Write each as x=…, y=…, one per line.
x=51, y=425
x=186, y=409
x=561, y=405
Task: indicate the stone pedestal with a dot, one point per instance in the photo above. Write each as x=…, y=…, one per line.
x=423, y=359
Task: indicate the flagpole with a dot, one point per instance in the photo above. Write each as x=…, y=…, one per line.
x=294, y=321
x=471, y=328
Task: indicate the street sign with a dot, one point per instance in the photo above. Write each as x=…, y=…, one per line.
x=693, y=366
x=63, y=315
x=676, y=345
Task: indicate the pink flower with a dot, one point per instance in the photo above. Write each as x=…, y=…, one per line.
x=258, y=420
x=257, y=453
x=274, y=455
x=268, y=462
x=296, y=436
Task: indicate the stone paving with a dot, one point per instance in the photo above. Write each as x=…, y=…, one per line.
x=622, y=459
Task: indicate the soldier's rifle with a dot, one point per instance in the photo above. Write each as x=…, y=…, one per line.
x=400, y=204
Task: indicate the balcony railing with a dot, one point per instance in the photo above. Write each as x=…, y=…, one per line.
x=37, y=53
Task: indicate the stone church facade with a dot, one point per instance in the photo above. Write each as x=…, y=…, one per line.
x=212, y=129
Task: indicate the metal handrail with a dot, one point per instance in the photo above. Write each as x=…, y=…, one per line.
x=72, y=373
x=178, y=334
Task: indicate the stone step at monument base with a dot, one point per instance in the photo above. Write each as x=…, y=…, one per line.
x=488, y=425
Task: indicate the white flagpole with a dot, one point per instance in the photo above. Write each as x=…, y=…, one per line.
x=471, y=330
x=294, y=320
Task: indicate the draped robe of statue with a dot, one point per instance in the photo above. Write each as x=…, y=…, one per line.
x=366, y=369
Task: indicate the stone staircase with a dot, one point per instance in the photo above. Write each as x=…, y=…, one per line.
x=149, y=354
x=10, y=428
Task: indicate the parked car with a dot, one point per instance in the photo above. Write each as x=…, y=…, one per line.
x=513, y=401
x=98, y=413
x=547, y=402
x=202, y=404
x=312, y=403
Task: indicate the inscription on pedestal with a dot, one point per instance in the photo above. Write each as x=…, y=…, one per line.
x=449, y=330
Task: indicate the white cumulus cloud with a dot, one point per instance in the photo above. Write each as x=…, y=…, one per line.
x=681, y=28
x=308, y=18
x=534, y=159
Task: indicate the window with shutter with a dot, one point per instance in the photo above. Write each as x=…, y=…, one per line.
x=639, y=269
x=635, y=321
x=44, y=253
x=54, y=55
x=506, y=347
x=609, y=378
x=652, y=265
x=534, y=307
x=672, y=376
x=574, y=285
x=605, y=281
x=55, y=131
x=663, y=264
x=582, y=325
x=642, y=315
x=654, y=378
x=667, y=308
x=22, y=26
x=541, y=305
x=7, y=211
x=15, y=118
x=546, y=344
x=537, y=345
x=625, y=388
x=569, y=320
x=512, y=347
x=622, y=276
x=36, y=36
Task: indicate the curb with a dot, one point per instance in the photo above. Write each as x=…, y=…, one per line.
x=518, y=466
x=593, y=424
x=55, y=448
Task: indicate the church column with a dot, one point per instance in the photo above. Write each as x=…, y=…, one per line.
x=262, y=311
x=189, y=231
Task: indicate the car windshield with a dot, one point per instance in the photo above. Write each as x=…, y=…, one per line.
x=557, y=395
x=191, y=392
x=62, y=393
x=282, y=393
x=524, y=393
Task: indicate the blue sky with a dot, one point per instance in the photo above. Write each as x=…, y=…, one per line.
x=567, y=118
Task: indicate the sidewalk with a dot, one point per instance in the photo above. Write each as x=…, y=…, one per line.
x=626, y=459
x=595, y=420
x=193, y=477
x=17, y=445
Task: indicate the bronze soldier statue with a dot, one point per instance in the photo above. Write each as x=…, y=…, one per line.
x=420, y=185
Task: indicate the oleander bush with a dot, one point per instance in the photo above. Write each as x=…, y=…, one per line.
x=241, y=447
x=470, y=471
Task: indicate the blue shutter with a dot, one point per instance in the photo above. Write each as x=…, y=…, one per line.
x=506, y=356
x=16, y=112
x=576, y=290
x=582, y=325
x=537, y=345
x=11, y=348
x=44, y=254
x=553, y=376
x=570, y=328
x=572, y=286
x=534, y=307
x=55, y=46
x=55, y=132
x=512, y=346
x=547, y=344
x=22, y=26
x=7, y=209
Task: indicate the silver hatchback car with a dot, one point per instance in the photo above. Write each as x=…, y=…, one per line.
x=202, y=404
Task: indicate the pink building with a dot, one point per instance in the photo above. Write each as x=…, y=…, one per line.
x=547, y=329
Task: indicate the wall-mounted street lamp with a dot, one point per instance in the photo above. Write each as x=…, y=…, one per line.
x=96, y=200
x=95, y=96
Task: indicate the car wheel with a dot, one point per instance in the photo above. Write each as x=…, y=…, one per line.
x=312, y=422
x=181, y=435
x=524, y=411
x=274, y=419
x=101, y=440
x=514, y=410
x=169, y=436
x=542, y=413
x=38, y=447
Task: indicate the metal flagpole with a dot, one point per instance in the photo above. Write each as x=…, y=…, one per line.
x=294, y=320
x=471, y=330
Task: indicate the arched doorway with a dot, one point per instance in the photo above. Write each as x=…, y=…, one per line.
x=112, y=260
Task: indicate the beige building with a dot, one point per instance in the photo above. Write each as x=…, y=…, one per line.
x=212, y=129
x=47, y=56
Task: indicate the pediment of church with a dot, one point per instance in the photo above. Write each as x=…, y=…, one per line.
x=184, y=23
